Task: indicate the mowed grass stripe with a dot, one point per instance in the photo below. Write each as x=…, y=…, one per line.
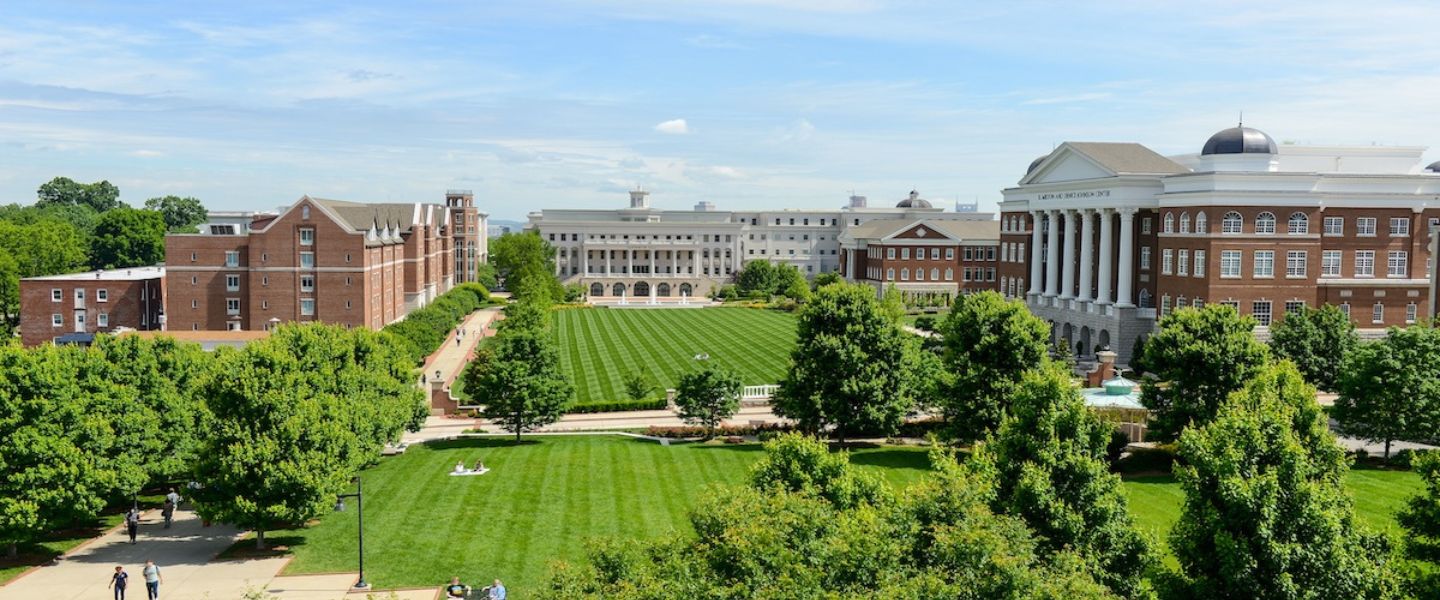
x=599, y=346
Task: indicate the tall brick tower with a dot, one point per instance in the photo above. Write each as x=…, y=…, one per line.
x=468, y=230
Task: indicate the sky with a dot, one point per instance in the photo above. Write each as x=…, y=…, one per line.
x=749, y=104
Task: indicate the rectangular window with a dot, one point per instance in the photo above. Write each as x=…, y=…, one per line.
x=1199, y=263
x=1294, y=306
x=1377, y=314
x=934, y=254
x=232, y=258
x=56, y=295
x=194, y=304
x=1229, y=264
x=1399, y=226
x=905, y=254
x=1411, y=312
x=1296, y=263
x=232, y=282
x=1260, y=309
x=949, y=254
x=1264, y=263
x=102, y=295
x=1182, y=262
x=232, y=306
x=1165, y=305
x=890, y=253
x=307, y=283
x=1364, y=263
x=1145, y=258
x=307, y=260
x=1398, y=264
x=56, y=320
x=1167, y=258
x=307, y=306
x=990, y=274
x=1365, y=226
x=990, y=253
x=1345, y=309
x=1330, y=263
x=1145, y=227
x=1334, y=226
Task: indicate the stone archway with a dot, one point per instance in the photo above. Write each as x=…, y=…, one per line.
x=597, y=289
x=1085, y=348
x=1054, y=331
x=686, y=290
x=619, y=289
x=1103, y=340
x=642, y=289
x=1069, y=334
x=662, y=290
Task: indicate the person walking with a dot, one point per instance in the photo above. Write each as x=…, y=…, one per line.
x=118, y=582
x=151, y=573
x=132, y=523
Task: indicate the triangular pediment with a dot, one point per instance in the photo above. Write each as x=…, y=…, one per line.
x=919, y=231
x=1066, y=164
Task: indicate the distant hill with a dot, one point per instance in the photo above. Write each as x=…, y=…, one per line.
x=497, y=224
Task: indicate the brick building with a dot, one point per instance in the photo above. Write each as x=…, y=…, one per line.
x=923, y=257
x=468, y=229
x=318, y=260
x=1104, y=239
x=90, y=303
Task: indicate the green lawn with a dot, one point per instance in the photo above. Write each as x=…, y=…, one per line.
x=539, y=503
x=599, y=345
x=544, y=498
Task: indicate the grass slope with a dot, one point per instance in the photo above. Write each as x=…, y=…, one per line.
x=545, y=498
x=598, y=346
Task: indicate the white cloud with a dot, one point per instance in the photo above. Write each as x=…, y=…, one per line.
x=1087, y=97
x=673, y=127
x=147, y=153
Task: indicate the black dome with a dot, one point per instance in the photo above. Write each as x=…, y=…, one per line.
x=1433, y=167
x=1036, y=163
x=914, y=201
x=1239, y=140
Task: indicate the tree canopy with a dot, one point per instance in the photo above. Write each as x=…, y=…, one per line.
x=525, y=262
x=853, y=368
x=1390, y=389
x=707, y=396
x=1316, y=340
x=989, y=344
x=181, y=215
x=128, y=237
x=100, y=196
x=517, y=378
x=1198, y=358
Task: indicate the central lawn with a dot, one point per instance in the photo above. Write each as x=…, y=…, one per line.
x=598, y=346
x=544, y=498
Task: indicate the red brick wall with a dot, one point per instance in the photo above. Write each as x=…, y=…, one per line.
x=135, y=304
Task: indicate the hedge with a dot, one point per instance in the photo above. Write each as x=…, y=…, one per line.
x=617, y=406
x=422, y=331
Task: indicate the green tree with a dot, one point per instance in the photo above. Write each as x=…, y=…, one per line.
x=1048, y=462
x=526, y=263
x=826, y=278
x=801, y=464
x=44, y=247
x=485, y=274
x=1198, y=358
x=517, y=378
x=100, y=196
x=638, y=386
x=989, y=344
x=182, y=215
x=790, y=282
x=708, y=396
x=1421, y=515
x=1266, y=513
x=1316, y=340
x=9, y=294
x=128, y=237
x=52, y=446
x=852, y=367
x=758, y=278
x=1390, y=389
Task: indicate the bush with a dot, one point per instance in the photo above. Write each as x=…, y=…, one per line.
x=1159, y=459
x=925, y=323
x=618, y=406
x=1115, y=447
x=1404, y=457
x=423, y=330
x=687, y=431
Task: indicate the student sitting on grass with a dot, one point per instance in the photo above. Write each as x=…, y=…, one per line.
x=456, y=589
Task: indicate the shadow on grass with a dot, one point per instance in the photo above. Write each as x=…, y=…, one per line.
x=1149, y=479
x=278, y=545
x=918, y=461
x=482, y=442
x=730, y=447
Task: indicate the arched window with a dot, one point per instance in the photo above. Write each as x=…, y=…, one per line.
x=597, y=289
x=662, y=289
x=905, y=274
x=1201, y=223
x=919, y=274
x=1169, y=223
x=949, y=274
x=934, y=274
x=1184, y=222
x=1299, y=223
x=619, y=289
x=890, y=274
x=685, y=290
x=1265, y=222
x=1232, y=222
x=642, y=289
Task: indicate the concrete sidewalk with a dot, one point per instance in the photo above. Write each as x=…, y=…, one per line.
x=450, y=358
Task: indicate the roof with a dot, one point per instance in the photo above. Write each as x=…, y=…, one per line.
x=964, y=230
x=131, y=274
x=359, y=216
x=1127, y=157
x=208, y=340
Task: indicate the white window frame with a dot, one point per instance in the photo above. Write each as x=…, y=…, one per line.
x=1231, y=264
x=1202, y=223
x=1298, y=224
x=307, y=302
x=1199, y=270
x=1185, y=222
x=1182, y=262
x=949, y=274
x=1169, y=226
x=1412, y=312
x=307, y=260
x=1399, y=227
x=1263, y=318
x=102, y=320
x=890, y=254
x=949, y=254
x=232, y=306
x=1397, y=264
x=57, y=295
x=1262, y=264
x=1377, y=313
x=1330, y=261
x=1167, y=261
x=307, y=288
x=1365, y=226
x=57, y=320
x=1265, y=223
x=232, y=258
x=1364, y=263
x=102, y=295
x=1297, y=264
x=1232, y=223
x=1334, y=226
x=1144, y=258
x=232, y=277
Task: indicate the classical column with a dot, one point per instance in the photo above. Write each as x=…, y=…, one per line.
x=585, y=262
x=1087, y=252
x=1107, y=238
x=1052, y=256
x=651, y=252
x=1037, y=256
x=629, y=262
x=607, y=261
x=674, y=262
x=1123, y=293
x=1067, y=278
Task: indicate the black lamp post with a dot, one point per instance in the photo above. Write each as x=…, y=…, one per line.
x=359, y=497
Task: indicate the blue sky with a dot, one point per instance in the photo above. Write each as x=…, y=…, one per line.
x=745, y=103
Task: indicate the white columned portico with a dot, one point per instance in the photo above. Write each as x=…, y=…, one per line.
x=585, y=262
x=1123, y=291
x=1052, y=256
x=629, y=262
x=1067, y=279
x=651, y=252
x=674, y=262
x=1107, y=238
x=1037, y=254
x=607, y=261
x=1087, y=253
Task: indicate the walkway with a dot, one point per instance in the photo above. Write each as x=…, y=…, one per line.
x=451, y=358
x=437, y=427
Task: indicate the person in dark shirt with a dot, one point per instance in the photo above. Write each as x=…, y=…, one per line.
x=456, y=589
x=118, y=582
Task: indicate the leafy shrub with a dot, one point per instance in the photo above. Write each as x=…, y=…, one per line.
x=1404, y=457
x=1159, y=459
x=423, y=330
x=1115, y=447
x=618, y=406
x=686, y=431
x=925, y=323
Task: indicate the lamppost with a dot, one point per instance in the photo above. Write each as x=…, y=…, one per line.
x=360, y=584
